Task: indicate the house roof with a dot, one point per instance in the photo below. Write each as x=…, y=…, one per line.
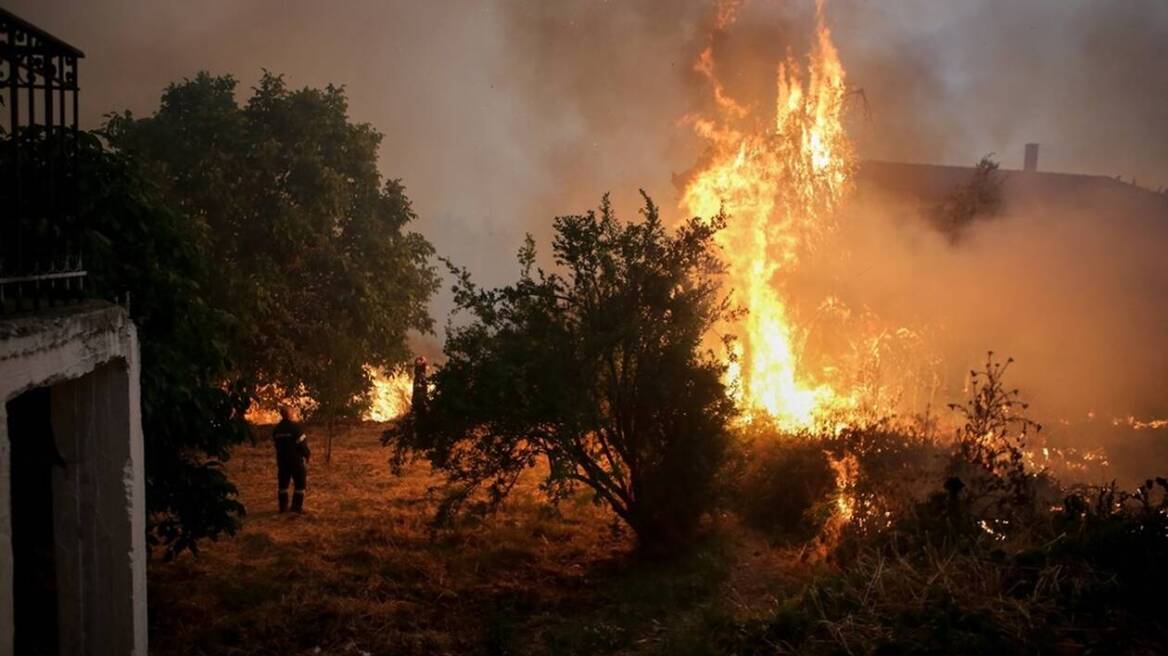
x=930, y=184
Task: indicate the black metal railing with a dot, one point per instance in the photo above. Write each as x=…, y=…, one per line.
x=41, y=255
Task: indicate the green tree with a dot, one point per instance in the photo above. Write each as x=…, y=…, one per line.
x=980, y=198
x=309, y=245
x=142, y=251
x=597, y=369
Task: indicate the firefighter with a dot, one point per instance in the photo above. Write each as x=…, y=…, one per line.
x=418, y=400
x=291, y=460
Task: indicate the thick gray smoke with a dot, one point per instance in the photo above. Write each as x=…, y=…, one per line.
x=949, y=81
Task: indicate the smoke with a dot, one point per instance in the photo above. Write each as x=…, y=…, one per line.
x=500, y=115
x=945, y=81
x=1083, y=78
x=604, y=86
x=1070, y=288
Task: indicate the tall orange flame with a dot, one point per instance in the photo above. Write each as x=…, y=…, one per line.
x=779, y=188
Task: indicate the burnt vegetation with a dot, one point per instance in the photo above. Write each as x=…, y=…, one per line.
x=961, y=547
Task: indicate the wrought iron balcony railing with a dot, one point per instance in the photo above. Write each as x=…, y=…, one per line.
x=41, y=253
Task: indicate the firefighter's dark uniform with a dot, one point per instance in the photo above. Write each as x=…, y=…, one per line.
x=418, y=400
x=291, y=463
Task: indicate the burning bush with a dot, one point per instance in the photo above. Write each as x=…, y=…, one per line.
x=997, y=559
x=893, y=467
x=990, y=444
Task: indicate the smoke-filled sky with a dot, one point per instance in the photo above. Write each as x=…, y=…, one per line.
x=499, y=114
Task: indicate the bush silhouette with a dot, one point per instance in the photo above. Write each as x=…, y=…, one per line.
x=597, y=369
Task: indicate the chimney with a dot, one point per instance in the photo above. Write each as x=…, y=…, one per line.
x=1031, y=163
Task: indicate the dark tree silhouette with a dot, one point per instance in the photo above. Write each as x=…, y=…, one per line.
x=597, y=369
x=980, y=198
x=312, y=257
x=143, y=252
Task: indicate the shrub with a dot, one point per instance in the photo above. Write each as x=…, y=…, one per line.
x=598, y=369
x=992, y=562
x=785, y=484
x=1124, y=534
x=894, y=466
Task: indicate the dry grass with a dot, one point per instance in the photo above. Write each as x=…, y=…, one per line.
x=363, y=572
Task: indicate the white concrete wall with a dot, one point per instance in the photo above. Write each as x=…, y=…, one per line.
x=88, y=355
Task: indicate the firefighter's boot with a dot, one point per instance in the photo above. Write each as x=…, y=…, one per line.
x=282, y=498
x=298, y=501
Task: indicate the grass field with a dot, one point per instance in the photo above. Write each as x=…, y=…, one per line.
x=363, y=572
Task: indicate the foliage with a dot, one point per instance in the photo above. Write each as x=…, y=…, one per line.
x=785, y=485
x=990, y=443
x=980, y=198
x=150, y=255
x=1118, y=531
x=140, y=250
x=598, y=368
x=309, y=247
x=298, y=252
x=256, y=248
x=991, y=563
x=894, y=465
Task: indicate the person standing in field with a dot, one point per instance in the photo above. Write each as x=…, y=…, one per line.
x=418, y=400
x=292, y=456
